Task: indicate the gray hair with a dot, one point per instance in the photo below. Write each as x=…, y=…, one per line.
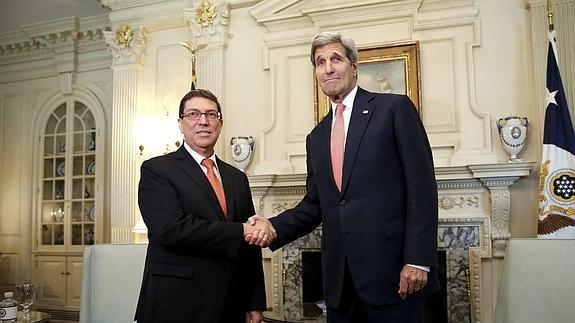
x=330, y=37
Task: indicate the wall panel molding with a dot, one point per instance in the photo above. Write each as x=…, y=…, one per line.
x=459, y=130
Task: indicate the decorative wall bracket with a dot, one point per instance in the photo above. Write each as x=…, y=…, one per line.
x=500, y=206
x=498, y=178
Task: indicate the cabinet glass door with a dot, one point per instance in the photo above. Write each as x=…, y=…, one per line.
x=68, y=179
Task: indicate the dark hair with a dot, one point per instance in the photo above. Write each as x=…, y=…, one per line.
x=198, y=93
x=329, y=37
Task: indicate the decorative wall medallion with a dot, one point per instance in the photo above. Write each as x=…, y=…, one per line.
x=279, y=207
x=449, y=202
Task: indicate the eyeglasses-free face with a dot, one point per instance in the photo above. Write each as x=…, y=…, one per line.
x=195, y=115
x=201, y=133
x=334, y=72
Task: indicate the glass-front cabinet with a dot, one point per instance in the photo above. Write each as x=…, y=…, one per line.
x=68, y=197
x=68, y=189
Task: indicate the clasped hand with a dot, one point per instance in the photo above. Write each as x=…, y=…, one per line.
x=259, y=231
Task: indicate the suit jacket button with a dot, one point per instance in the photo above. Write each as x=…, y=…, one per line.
x=342, y=202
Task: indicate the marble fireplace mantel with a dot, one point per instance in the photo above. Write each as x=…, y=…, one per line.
x=474, y=203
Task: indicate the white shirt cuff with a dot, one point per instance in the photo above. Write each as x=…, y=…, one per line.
x=426, y=268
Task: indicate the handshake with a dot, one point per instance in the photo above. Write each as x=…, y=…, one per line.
x=259, y=231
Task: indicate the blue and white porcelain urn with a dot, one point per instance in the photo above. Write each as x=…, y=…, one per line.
x=513, y=133
x=242, y=151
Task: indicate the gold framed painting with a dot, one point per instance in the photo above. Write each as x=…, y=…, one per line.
x=385, y=69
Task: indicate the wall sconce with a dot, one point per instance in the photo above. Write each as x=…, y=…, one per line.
x=168, y=147
x=161, y=141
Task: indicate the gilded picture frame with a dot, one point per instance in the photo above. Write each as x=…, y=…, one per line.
x=383, y=68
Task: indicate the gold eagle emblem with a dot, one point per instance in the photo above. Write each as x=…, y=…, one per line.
x=206, y=13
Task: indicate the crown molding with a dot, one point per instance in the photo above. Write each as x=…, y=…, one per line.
x=278, y=15
x=36, y=41
x=153, y=15
x=126, y=4
x=273, y=12
x=48, y=48
x=538, y=3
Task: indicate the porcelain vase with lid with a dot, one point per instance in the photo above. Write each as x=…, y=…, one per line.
x=513, y=133
x=242, y=151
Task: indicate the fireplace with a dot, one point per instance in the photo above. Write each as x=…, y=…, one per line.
x=450, y=304
x=474, y=203
x=435, y=305
x=455, y=240
x=311, y=283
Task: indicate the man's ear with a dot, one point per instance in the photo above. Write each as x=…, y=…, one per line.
x=180, y=125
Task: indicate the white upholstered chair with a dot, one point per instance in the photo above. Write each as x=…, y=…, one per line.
x=111, y=283
x=537, y=282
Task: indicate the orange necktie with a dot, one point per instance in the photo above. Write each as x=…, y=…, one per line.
x=216, y=185
x=337, y=145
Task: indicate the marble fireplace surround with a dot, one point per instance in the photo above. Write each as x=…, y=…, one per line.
x=474, y=205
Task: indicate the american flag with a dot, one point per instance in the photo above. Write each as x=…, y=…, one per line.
x=557, y=174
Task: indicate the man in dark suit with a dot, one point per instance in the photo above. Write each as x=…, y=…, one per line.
x=198, y=267
x=371, y=183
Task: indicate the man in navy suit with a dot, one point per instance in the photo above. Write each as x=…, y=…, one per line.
x=377, y=206
x=198, y=267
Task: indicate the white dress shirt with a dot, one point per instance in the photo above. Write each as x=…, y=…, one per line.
x=198, y=158
x=348, y=102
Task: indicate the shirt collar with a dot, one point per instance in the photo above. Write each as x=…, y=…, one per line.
x=197, y=157
x=347, y=101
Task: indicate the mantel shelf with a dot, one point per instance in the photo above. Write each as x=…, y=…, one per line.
x=444, y=173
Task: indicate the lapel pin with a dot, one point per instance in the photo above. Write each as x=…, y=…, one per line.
x=365, y=111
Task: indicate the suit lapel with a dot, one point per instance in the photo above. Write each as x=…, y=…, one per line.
x=360, y=116
x=228, y=184
x=190, y=167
